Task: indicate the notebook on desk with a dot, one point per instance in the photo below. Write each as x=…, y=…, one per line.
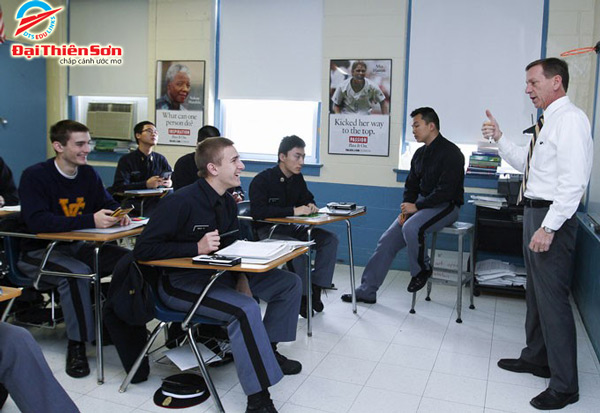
x=115, y=228
x=147, y=191
x=258, y=252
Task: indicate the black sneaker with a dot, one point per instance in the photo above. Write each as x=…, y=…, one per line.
x=288, y=367
x=77, y=362
x=263, y=406
x=417, y=282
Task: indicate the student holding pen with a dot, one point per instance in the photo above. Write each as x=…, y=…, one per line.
x=189, y=223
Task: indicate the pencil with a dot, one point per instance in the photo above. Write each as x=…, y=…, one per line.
x=228, y=233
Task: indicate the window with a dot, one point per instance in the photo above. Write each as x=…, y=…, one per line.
x=269, y=73
x=257, y=126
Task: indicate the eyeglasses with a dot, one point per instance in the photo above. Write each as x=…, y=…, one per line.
x=151, y=131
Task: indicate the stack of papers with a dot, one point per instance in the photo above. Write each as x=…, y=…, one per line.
x=311, y=218
x=261, y=252
x=115, y=228
x=14, y=208
x=147, y=191
x=494, y=202
x=498, y=273
x=343, y=212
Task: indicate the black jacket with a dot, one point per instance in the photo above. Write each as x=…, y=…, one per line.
x=437, y=174
x=272, y=195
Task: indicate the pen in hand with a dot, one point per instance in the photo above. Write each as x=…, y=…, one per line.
x=225, y=234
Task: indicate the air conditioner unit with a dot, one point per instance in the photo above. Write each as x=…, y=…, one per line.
x=110, y=120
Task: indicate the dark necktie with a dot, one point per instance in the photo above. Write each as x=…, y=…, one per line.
x=536, y=133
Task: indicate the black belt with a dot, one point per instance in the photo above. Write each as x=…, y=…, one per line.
x=536, y=203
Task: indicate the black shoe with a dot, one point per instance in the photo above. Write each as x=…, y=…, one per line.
x=77, y=363
x=304, y=308
x=418, y=281
x=317, y=304
x=288, y=367
x=347, y=298
x=552, y=400
x=262, y=409
x=261, y=406
x=522, y=366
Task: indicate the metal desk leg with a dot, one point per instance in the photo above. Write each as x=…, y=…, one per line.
x=351, y=258
x=309, y=287
x=98, y=302
x=459, y=279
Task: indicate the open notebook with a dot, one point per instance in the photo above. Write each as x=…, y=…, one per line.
x=259, y=252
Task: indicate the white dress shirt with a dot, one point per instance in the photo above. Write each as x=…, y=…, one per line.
x=561, y=163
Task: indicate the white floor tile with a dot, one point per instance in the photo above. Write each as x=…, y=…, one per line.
x=376, y=400
x=429, y=405
x=360, y=348
x=399, y=379
x=462, y=365
x=456, y=389
x=326, y=395
x=411, y=356
x=344, y=369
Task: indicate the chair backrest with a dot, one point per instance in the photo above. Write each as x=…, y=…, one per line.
x=247, y=229
x=11, y=251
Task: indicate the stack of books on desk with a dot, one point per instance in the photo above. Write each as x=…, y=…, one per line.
x=484, y=163
x=260, y=252
x=498, y=273
x=488, y=201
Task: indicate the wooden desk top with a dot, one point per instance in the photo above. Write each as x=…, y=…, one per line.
x=315, y=220
x=9, y=293
x=186, y=262
x=5, y=213
x=89, y=236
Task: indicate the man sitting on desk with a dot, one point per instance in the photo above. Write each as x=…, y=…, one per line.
x=188, y=223
x=59, y=195
x=280, y=192
x=433, y=194
x=143, y=168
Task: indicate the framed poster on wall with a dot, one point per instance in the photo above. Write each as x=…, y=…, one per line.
x=359, y=107
x=180, y=102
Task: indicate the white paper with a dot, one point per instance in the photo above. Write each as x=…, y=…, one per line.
x=184, y=359
x=114, y=229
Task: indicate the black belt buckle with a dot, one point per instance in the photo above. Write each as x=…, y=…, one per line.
x=537, y=203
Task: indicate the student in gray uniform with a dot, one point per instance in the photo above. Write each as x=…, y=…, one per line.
x=25, y=375
x=433, y=194
x=188, y=223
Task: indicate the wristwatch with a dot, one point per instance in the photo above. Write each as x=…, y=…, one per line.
x=548, y=230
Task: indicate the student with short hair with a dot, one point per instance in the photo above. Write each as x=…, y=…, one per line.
x=281, y=191
x=189, y=223
x=143, y=168
x=64, y=194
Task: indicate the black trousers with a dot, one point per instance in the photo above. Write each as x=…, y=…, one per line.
x=549, y=325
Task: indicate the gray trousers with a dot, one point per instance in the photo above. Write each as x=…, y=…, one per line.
x=410, y=235
x=250, y=336
x=326, y=244
x=549, y=324
x=26, y=375
x=75, y=295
